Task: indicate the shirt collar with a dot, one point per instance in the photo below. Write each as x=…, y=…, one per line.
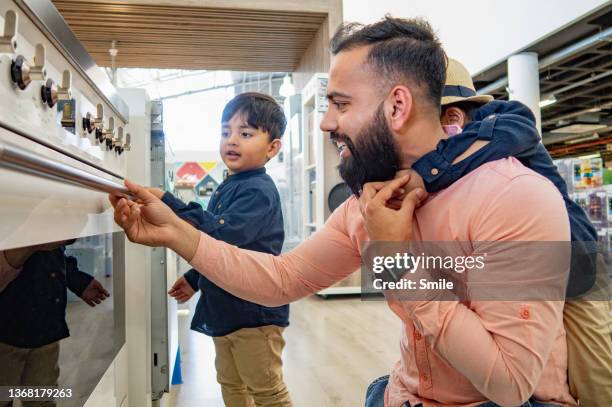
x=246, y=174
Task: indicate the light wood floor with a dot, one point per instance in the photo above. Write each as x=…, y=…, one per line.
x=335, y=348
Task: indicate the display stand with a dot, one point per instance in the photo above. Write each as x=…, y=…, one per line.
x=320, y=174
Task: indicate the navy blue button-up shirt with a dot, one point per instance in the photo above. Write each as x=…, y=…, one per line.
x=245, y=211
x=33, y=306
x=510, y=129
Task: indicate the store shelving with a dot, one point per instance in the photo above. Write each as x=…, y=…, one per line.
x=320, y=172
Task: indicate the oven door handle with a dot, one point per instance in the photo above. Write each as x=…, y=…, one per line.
x=15, y=158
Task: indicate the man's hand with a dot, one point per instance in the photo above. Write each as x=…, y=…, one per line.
x=181, y=290
x=384, y=223
x=416, y=181
x=158, y=193
x=94, y=293
x=150, y=222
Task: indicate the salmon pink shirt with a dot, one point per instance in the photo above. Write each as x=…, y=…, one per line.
x=451, y=354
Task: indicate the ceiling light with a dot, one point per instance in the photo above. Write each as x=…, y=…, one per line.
x=579, y=128
x=548, y=101
x=287, y=89
x=582, y=139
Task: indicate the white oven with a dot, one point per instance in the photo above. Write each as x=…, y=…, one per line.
x=65, y=142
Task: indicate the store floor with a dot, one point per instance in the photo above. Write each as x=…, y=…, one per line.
x=335, y=348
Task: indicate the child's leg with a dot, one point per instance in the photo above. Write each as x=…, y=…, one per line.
x=588, y=323
x=233, y=389
x=257, y=352
x=15, y=358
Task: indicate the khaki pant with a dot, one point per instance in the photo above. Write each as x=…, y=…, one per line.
x=29, y=367
x=250, y=367
x=588, y=323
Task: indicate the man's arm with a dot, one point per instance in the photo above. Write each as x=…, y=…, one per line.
x=325, y=258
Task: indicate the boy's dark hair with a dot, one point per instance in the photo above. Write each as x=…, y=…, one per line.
x=402, y=50
x=260, y=111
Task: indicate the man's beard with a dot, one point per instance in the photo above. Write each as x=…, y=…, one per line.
x=374, y=155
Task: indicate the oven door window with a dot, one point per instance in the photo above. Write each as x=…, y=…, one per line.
x=61, y=317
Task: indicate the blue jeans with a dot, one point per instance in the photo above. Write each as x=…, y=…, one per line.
x=375, y=396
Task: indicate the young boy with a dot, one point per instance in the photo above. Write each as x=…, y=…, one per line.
x=244, y=211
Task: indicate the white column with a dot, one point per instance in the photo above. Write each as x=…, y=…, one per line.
x=524, y=82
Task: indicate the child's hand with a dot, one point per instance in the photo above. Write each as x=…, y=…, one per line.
x=95, y=293
x=383, y=223
x=181, y=290
x=158, y=193
x=416, y=181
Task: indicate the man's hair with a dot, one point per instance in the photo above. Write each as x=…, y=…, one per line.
x=469, y=108
x=260, y=112
x=402, y=50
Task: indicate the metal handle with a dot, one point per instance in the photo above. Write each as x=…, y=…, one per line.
x=16, y=158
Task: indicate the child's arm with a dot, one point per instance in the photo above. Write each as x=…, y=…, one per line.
x=192, y=276
x=76, y=280
x=239, y=223
x=508, y=127
x=192, y=212
x=11, y=264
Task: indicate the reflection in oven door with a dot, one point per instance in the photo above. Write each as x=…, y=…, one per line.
x=62, y=316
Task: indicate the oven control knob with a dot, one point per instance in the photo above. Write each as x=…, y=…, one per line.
x=99, y=135
x=88, y=123
x=48, y=93
x=118, y=141
x=20, y=72
x=109, y=133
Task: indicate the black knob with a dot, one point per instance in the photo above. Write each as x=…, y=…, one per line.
x=48, y=93
x=99, y=135
x=118, y=150
x=88, y=124
x=20, y=72
x=109, y=144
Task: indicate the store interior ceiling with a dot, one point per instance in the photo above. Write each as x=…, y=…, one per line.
x=575, y=86
x=182, y=35
x=256, y=48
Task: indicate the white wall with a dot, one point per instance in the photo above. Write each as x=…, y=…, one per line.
x=479, y=33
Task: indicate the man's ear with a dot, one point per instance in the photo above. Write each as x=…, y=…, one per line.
x=273, y=148
x=399, y=106
x=453, y=115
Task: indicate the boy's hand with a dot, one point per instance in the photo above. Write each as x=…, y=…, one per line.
x=158, y=193
x=94, y=293
x=416, y=181
x=384, y=223
x=181, y=290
